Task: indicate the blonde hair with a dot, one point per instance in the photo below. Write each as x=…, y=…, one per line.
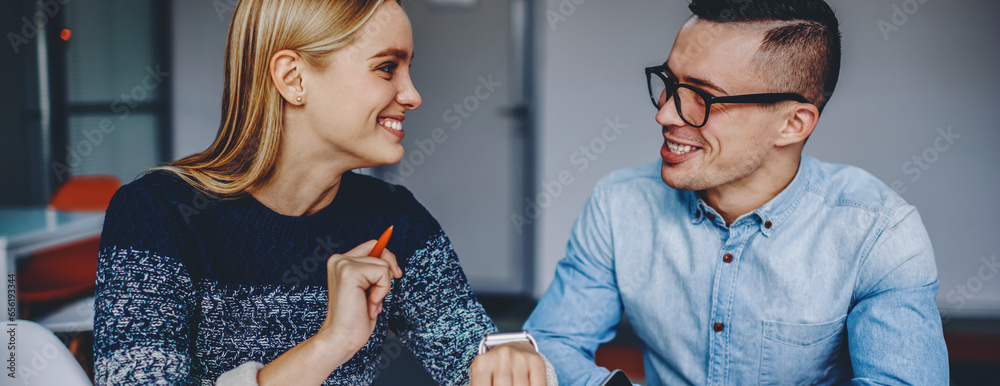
x=245, y=150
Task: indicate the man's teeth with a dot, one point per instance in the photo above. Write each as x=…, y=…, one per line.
x=391, y=124
x=677, y=148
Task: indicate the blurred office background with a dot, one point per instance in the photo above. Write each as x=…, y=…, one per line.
x=523, y=91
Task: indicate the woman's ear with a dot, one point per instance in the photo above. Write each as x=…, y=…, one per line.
x=799, y=125
x=286, y=73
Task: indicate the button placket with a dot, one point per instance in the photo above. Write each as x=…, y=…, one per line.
x=739, y=234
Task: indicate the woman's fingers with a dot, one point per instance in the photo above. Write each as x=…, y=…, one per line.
x=387, y=256
x=502, y=378
x=537, y=373
x=371, y=275
x=479, y=372
x=379, y=288
x=390, y=258
x=509, y=364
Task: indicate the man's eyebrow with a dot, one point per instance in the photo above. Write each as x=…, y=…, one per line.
x=399, y=53
x=696, y=81
x=705, y=83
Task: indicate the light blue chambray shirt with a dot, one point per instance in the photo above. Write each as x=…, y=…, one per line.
x=833, y=281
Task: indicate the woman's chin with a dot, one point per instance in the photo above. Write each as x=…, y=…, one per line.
x=394, y=157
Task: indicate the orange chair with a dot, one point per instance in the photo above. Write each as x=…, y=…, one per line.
x=68, y=271
x=85, y=193
x=59, y=275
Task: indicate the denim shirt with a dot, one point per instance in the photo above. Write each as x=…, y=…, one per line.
x=833, y=281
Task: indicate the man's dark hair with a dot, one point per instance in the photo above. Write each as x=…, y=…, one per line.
x=801, y=54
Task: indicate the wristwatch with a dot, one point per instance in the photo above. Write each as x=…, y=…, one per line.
x=495, y=339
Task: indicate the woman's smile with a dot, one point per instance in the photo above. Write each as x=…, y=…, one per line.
x=394, y=124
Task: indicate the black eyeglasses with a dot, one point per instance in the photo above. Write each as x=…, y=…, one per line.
x=693, y=104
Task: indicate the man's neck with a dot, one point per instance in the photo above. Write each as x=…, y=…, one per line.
x=745, y=195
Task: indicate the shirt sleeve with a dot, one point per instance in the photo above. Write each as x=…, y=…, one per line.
x=894, y=328
x=437, y=316
x=582, y=307
x=144, y=297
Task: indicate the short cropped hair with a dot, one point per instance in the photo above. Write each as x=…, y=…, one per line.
x=800, y=52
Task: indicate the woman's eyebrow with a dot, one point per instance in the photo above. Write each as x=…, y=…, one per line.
x=399, y=53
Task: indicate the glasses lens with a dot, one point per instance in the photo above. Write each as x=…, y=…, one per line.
x=657, y=90
x=691, y=106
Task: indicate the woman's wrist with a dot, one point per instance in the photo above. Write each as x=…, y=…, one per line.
x=310, y=362
x=330, y=344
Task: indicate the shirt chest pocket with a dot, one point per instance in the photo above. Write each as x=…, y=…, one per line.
x=801, y=354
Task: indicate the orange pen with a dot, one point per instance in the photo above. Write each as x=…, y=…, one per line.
x=380, y=245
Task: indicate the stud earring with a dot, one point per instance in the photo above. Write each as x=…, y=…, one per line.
x=298, y=99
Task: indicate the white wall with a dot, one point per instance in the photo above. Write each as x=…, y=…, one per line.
x=199, y=44
x=938, y=70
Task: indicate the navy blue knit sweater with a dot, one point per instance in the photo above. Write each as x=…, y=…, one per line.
x=190, y=287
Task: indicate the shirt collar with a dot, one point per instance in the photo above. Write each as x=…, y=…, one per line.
x=775, y=212
x=770, y=215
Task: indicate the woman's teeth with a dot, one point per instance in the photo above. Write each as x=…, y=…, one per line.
x=391, y=124
x=677, y=148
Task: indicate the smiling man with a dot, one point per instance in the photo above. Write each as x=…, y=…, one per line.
x=737, y=259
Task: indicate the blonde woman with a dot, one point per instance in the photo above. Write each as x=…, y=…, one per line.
x=246, y=263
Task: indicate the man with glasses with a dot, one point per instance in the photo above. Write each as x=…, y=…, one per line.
x=737, y=259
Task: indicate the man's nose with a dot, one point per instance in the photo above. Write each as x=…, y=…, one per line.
x=667, y=115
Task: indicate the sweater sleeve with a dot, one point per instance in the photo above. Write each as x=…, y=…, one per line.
x=145, y=295
x=437, y=316
x=445, y=322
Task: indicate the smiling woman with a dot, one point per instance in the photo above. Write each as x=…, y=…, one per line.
x=210, y=267
x=305, y=35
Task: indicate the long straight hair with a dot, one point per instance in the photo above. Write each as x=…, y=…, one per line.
x=245, y=150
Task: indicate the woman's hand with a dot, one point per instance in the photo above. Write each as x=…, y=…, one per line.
x=357, y=284
x=510, y=364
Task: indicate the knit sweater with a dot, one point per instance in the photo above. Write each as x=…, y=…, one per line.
x=190, y=287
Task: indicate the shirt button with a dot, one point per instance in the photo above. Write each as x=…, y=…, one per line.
x=767, y=225
x=728, y=258
x=710, y=217
x=718, y=327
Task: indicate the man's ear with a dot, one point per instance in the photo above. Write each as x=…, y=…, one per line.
x=799, y=124
x=286, y=73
